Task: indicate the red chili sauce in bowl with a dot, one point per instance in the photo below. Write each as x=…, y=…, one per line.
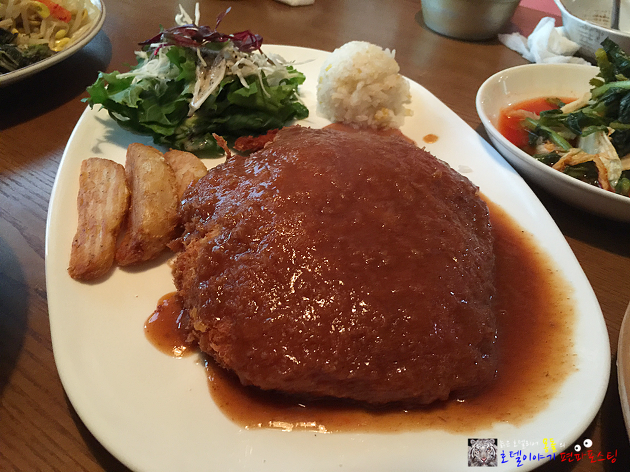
x=509, y=124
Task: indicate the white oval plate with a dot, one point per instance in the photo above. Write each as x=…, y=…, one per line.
x=10, y=77
x=623, y=368
x=520, y=83
x=155, y=413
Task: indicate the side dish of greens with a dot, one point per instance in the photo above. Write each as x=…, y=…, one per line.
x=13, y=57
x=34, y=30
x=192, y=81
x=589, y=139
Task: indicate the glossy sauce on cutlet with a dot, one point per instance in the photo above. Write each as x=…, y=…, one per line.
x=429, y=138
x=166, y=328
x=535, y=318
x=378, y=131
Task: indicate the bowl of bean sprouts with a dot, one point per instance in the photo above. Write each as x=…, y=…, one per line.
x=36, y=34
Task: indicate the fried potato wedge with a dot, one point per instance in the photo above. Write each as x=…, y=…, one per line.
x=188, y=169
x=152, y=219
x=102, y=202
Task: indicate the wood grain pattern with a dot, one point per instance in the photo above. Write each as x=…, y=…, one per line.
x=39, y=430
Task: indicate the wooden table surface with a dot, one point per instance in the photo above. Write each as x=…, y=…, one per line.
x=39, y=430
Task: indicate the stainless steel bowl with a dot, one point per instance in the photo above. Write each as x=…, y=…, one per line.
x=587, y=22
x=468, y=19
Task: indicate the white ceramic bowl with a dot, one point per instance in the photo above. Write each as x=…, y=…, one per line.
x=623, y=368
x=520, y=83
x=587, y=22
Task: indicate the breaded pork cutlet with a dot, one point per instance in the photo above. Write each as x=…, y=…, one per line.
x=341, y=264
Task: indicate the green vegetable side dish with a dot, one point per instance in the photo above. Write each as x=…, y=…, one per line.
x=31, y=30
x=13, y=57
x=589, y=139
x=191, y=82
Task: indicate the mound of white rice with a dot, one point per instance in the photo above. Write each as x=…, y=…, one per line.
x=359, y=84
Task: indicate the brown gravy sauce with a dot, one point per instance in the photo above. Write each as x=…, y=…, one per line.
x=430, y=138
x=166, y=327
x=535, y=318
x=378, y=131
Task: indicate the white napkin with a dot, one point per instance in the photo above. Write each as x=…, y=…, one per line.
x=295, y=3
x=546, y=44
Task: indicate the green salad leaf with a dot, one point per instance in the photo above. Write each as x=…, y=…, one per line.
x=246, y=92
